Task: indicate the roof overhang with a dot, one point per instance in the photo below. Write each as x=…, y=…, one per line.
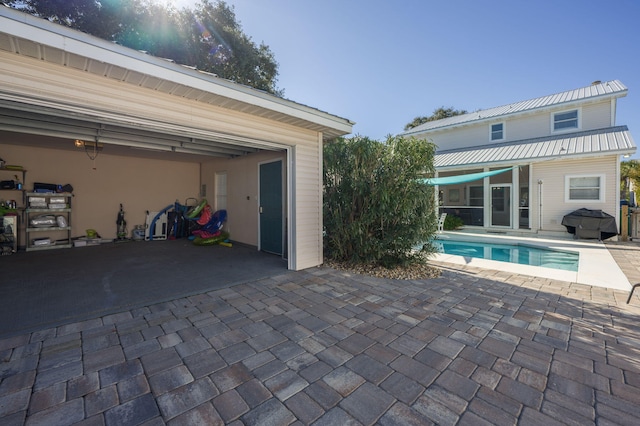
x=29, y=36
x=594, y=143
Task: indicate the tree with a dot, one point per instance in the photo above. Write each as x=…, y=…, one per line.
x=104, y=19
x=629, y=174
x=217, y=44
x=438, y=114
x=376, y=210
x=208, y=37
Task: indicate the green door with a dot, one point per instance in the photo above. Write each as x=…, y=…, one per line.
x=271, y=234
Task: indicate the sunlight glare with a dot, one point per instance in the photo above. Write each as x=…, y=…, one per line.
x=177, y=4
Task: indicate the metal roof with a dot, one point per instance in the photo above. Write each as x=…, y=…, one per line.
x=610, y=141
x=608, y=89
x=30, y=36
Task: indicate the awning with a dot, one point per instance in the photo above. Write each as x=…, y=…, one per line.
x=452, y=180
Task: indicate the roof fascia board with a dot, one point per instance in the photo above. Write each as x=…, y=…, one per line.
x=43, y=32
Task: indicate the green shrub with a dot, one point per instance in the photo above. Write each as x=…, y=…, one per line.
x=452, y=222
x=375, y=208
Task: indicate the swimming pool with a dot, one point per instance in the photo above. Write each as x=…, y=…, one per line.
x=512, y=253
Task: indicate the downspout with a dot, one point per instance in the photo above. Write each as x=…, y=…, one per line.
x=618, y=213
x=436, y=195
x=292, y=245
x=515, y=198
x=487, y=203
x=540, y=182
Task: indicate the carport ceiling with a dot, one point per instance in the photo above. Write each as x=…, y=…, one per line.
x=18, y=118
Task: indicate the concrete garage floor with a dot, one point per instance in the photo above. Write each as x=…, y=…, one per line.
x=38, y=289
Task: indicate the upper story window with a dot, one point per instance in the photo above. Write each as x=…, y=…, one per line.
x=565, y=120
x=497, y=131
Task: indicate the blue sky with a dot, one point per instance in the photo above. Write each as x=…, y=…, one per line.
x=382, y=63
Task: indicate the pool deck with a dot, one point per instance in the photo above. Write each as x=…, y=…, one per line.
x=596, y=265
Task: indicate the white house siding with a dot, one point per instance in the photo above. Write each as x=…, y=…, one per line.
x=308, y=204
x=460, y=138
x=533, y=125
x=597, y=116
x=553, y=173
x=527, y=127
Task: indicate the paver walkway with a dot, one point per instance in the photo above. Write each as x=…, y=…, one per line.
x=324, y=347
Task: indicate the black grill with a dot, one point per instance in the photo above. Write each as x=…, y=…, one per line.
x=585, y=223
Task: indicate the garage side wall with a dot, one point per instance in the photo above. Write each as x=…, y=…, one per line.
x=305, y=193
x=139, y=184
x=242, y=192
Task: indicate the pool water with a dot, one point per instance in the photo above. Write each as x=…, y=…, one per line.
x=513, y=253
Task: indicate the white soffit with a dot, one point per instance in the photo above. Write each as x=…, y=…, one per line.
x=30, y=36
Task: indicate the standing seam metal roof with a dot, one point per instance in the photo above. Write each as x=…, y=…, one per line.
x=613, y=88
x=611, y=140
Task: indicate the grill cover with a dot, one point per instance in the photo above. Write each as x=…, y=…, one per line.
x=585, y=223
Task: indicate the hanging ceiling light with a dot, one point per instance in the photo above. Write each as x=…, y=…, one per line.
x=87, y=145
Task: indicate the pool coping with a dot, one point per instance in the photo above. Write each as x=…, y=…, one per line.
x=596, y=266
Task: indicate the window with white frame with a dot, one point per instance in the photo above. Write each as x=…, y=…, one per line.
x=497, y=131
x=581, y=188
x=566, y=120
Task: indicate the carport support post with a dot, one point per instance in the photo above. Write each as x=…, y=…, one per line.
x=624, y=223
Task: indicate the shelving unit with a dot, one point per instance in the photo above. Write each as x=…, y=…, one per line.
x=8, y=234
x=10, y=217
x=4, y=174
x=15, y=172
x=36, y=235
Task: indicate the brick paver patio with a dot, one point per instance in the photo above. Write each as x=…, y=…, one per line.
x=324, y=347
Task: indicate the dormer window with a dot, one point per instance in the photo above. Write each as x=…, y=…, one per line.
x=497, y=131
x=565, y=120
